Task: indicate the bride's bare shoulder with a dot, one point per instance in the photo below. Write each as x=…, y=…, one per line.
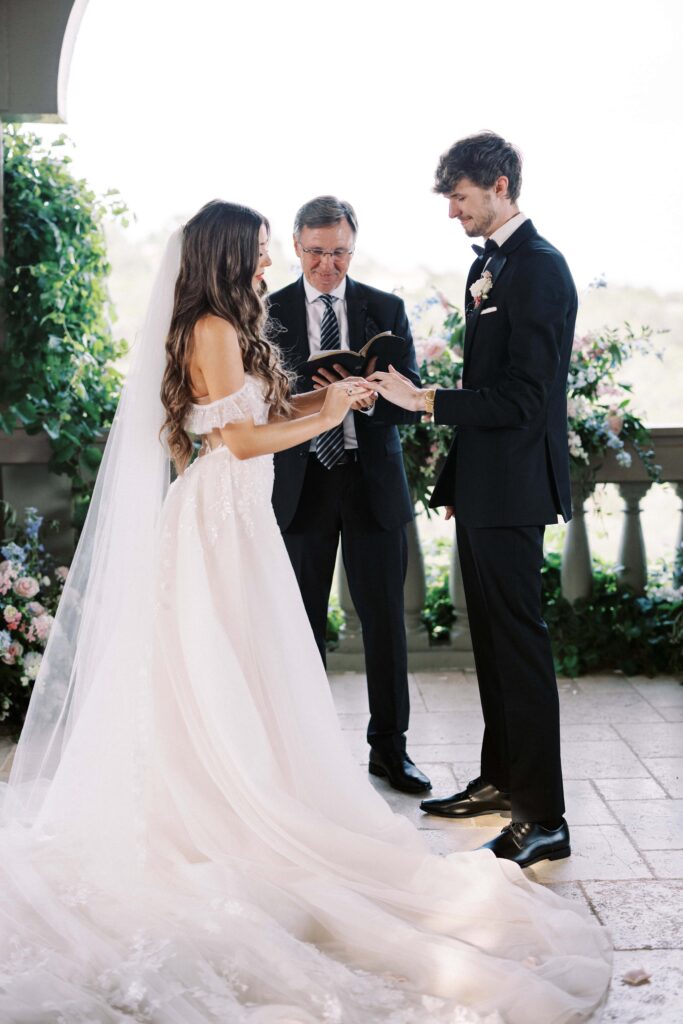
x=217, y=355
x=212, y=330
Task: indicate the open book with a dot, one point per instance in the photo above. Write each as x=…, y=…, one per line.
x=386, y=347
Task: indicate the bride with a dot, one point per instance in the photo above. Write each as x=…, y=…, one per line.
x=185, y=838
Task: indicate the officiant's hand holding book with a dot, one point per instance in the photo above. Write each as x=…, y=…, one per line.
x=376, y=354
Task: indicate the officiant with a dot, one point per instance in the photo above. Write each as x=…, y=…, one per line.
x=349, y=483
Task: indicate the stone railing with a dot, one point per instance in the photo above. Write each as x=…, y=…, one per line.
x=26, y=480
x=633, y=484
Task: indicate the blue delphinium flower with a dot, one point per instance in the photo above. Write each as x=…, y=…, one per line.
x=13, y=553
x=33, y=523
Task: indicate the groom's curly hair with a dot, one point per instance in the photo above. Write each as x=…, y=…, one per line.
x=483, y=158
x=220, y=255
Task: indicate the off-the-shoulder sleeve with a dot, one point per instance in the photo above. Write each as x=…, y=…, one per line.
x=230, y=409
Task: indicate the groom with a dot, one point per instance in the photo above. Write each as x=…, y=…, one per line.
x=350, y=482
x=506, y=476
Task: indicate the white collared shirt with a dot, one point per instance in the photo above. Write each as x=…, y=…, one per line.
x=315, y=310
x=506, y=230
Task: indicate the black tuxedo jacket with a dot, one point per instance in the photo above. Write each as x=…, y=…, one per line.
x=509, y=462
x=369, y=311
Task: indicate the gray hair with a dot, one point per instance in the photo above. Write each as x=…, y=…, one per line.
x=324, y=211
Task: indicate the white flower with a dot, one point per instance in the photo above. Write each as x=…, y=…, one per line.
x=31, y=666
x=576, y=449
x=481, y=288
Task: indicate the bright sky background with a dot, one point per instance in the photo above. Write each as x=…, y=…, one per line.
x=175, y=102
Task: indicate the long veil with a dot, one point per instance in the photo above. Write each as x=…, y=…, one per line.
x=96, y=652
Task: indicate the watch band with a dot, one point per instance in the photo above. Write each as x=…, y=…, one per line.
x=430, y=395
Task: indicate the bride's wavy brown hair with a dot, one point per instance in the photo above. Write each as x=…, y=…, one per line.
x=219, y=257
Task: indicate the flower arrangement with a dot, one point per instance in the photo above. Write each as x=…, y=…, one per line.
x=30, y=587
x=599, y=412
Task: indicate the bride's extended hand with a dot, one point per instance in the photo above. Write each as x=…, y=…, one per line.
x=342, y=396
x=397, y=389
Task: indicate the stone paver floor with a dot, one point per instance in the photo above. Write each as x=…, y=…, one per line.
x=622, y=749
x=623, y=766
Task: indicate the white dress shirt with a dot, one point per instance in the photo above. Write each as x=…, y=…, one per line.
x=315, y=310
x=501, y=234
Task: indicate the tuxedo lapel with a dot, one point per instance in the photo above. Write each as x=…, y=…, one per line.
x=494, y=267
x=356, y=313
x=301, y=349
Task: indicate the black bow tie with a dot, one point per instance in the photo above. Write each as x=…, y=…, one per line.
x=486, y=250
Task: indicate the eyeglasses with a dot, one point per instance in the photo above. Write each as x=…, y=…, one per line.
x=336, y=254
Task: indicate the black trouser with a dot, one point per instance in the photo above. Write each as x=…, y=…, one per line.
x=501, y=570
x=334, y=503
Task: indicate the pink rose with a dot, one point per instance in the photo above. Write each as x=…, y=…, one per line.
x=61, y=572
x=42, y=625
x=434, y=348
x=12, y=616
x=35, y=608
x=14, y=651
x=26, y=586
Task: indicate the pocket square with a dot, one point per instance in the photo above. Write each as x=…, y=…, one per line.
x=489, y=309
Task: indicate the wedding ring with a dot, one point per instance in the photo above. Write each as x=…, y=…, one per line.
x=349, y=390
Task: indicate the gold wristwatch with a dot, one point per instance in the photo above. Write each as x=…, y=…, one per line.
x=429, y=394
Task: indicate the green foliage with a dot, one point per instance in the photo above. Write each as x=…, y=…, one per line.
x=335, y=622
x=438, y=614
x=640, y=634
x=57, y=373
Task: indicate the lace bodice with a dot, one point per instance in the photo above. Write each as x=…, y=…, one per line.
x=246, y=403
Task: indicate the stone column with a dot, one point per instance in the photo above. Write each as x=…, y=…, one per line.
x=414, y=592
x=632, y=569
x=577, y=570
x=461, y=638
x=678, y=557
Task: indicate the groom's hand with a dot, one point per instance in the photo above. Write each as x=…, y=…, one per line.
x=450, y=512
x=398, y=389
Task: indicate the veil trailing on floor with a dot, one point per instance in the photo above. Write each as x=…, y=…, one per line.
x=103, y=606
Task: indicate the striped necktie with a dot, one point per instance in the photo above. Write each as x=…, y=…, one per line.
x=329, y=447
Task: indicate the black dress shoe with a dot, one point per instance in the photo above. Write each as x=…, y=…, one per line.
x=479, y=798
x=399, y=771
x=526, y=842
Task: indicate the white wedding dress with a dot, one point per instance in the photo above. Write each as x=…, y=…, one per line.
x=208, y=851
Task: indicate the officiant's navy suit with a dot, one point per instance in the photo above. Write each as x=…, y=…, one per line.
x=366, y=501
x=507, y=475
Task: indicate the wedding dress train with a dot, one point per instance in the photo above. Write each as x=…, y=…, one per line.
x=208, y=851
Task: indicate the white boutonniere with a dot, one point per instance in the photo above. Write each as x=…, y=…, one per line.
x=481, y=288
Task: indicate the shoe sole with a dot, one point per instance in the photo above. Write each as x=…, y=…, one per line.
x=503, y=811
x=564, y=851
x=382, y=773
